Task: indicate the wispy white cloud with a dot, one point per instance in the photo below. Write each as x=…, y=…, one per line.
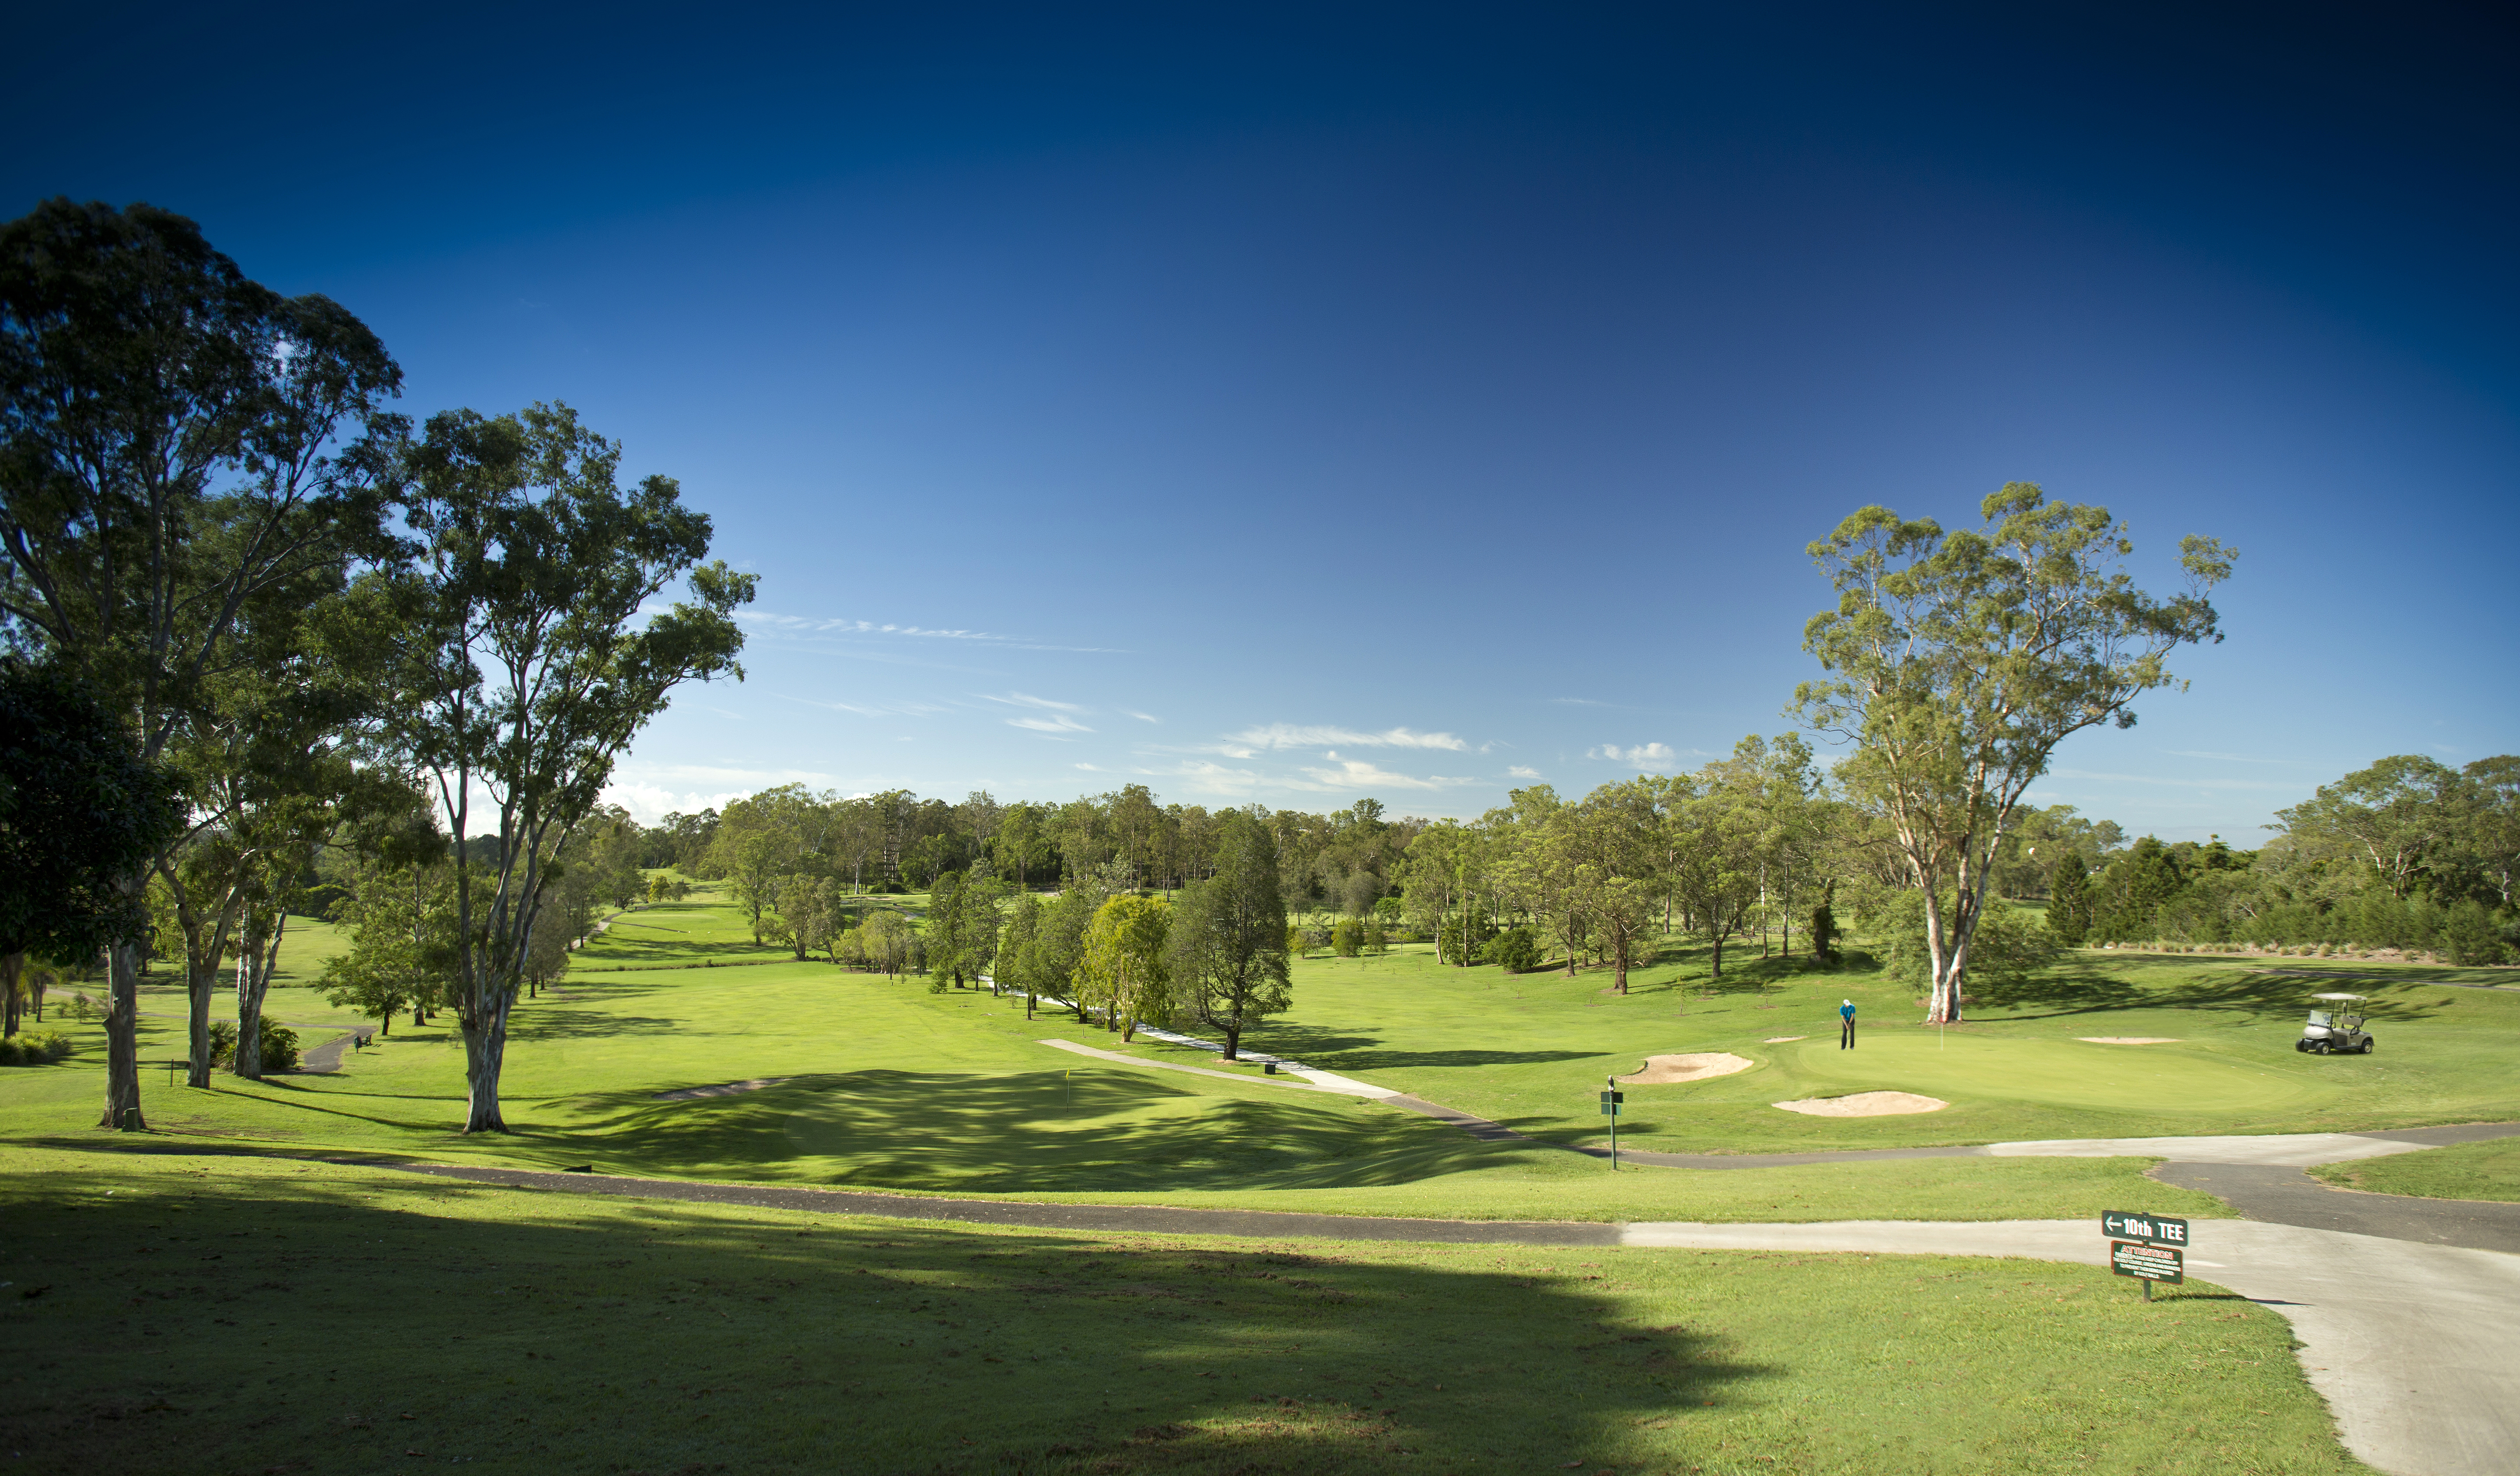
x=1517, y=771
x=1578, y=702
x=1140, y=717
x=773, y=621
x=1056, y=723
x=1354, y=774
x=1287, y=735
x=868, y=708
x=1199, y=777
x=1027, y=699
x=2183, y=753
x=650, y=803
x=1643, y=755
x=812, y=625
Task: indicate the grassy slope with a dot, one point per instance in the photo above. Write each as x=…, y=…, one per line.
x=215, y=1315
x=2470, y=1171
x=895, y=1087
x=898, y=1089
x=1530, y=1050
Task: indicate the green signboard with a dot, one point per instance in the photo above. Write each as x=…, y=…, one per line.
x=2152, y=1230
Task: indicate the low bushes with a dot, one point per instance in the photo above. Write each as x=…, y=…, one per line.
x=279, y=1044
x=1517, y=950
x=32, y=1050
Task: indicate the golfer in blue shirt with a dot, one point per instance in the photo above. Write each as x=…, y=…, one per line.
x=1846, y=1025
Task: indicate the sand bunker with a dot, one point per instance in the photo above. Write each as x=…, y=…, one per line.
x=721, y=1090
x=1866, y=1104
x=1665, y=1071
x=1781, y=1040
x=2129, y=1040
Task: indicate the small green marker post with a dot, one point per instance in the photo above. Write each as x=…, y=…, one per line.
x=1611, y=1097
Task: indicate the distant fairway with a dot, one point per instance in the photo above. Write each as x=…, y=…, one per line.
x=2068, y=1074
x=878, y=1084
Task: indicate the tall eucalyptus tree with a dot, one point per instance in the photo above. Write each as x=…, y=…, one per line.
x=528, y=658
x=176, y=441
x=1958, y=660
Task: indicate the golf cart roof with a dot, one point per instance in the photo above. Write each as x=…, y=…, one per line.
x=2340, y=996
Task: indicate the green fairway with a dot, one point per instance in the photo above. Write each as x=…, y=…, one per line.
x=179, y=1314
x=2469, y=1171
x=2067, y=1074
x=875, y=1082
x=1531, y=1050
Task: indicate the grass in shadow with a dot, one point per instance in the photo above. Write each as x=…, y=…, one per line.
x=312, y=1316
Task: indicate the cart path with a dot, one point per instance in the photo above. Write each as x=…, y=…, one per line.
x=325, y=1059
x=2288, y=1196
x=2260, y=1175
x=319, y=1060
x=2411, y=1344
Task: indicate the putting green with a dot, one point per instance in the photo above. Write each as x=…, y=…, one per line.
x=1980, y=1068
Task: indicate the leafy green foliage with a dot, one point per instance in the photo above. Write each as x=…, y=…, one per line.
x=1959, y=661
x=1516, y=951
x=2011, y=943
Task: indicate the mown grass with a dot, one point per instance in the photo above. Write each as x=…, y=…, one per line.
x=2468, y=1171
x=186, y=1312
x=888, y=1087
x=1531, y=1050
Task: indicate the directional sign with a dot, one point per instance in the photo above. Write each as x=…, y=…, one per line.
x=2154, y=1229
x=1610, y=1102
x=2145, y=1263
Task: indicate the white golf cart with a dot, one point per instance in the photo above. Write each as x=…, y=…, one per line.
x=2331, y=1031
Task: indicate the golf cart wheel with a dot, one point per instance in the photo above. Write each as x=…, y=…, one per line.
x=2368, y=1043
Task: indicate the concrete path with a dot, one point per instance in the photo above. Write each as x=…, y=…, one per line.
x=2414, y=1347
x=1196, y=1070
x=1328, y=1080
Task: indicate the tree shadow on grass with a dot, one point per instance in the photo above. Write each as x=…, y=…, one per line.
x=549, y=1333
x=2070, y=990
x=1093, y=1129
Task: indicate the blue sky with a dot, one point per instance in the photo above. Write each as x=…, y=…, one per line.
x=1296, y=404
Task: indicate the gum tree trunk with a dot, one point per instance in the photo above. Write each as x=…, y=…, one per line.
x=254, y=963
x=201, y=979
x=13, y=967
x=485, y=1052
x=122, y=1041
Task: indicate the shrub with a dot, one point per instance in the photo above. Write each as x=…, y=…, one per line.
x=2470, y=934
x=1347, y=936
x=1516, y=949
x=223, y=1036
x=32, y=1050
x=279, y=1046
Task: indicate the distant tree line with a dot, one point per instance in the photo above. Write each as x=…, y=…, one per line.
x=2408, y=855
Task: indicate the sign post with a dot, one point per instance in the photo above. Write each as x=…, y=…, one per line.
x=2146, y=1247
x=1611, y=1097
